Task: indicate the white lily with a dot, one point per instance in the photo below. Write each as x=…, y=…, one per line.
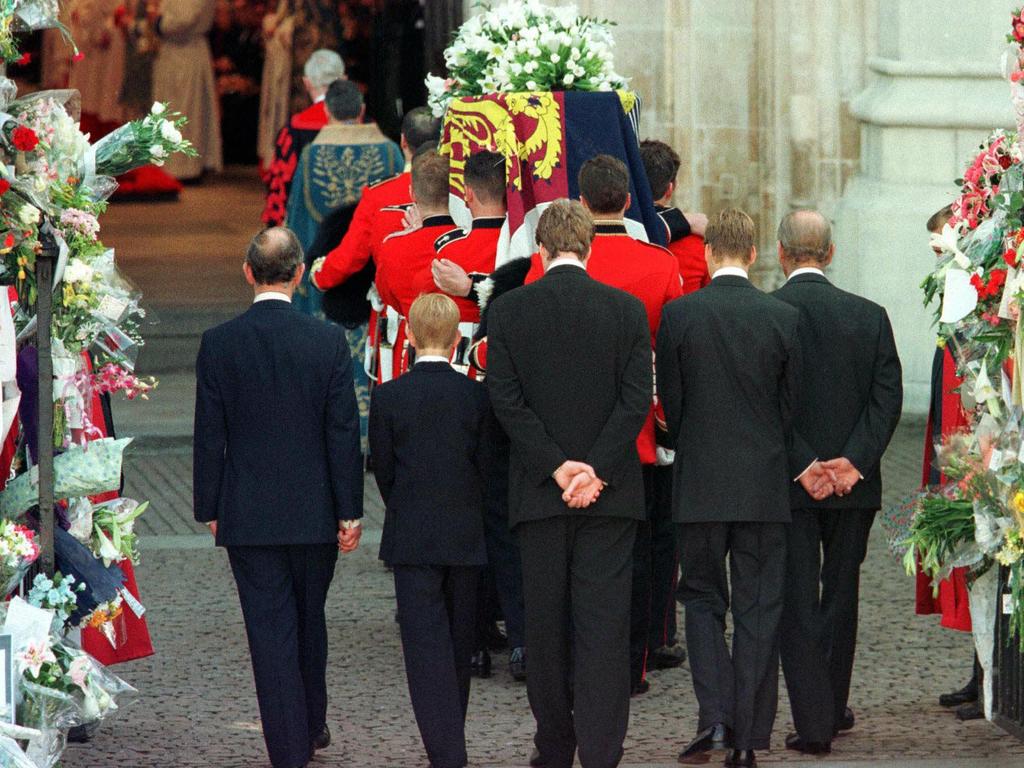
x=948, y=241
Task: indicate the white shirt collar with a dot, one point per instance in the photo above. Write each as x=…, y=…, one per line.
x=432, y=359
x=272, y=296
x=805, y=271
x=731, y=272
x=566, y=260
x=318, y=99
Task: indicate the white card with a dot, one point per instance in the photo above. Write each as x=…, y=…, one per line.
x=959, y=297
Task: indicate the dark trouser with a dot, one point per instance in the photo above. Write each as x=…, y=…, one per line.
x=502, y=550
x=819, y=625
x=665, y=564
x=739, y=690
x=283, y=590
x=436, y=615
x=577, y=573
x=655, y=567
x=640, y=604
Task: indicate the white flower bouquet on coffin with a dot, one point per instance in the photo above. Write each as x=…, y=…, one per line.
x=526, y=46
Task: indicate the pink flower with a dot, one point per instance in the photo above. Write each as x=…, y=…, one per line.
x=79, y=672
x=35, y=656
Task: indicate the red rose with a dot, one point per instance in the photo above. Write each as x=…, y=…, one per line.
x=1010, y=257
x=1005, y=161
x=24, y=139
x=9, y=240
x=5, y=186
x=978, y=285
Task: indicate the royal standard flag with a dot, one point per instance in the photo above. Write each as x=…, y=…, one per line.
x=545, y=139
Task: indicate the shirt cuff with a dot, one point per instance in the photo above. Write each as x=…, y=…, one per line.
x=797, y=478
x=348, y=525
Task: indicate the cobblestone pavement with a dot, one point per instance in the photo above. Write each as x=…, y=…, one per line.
x=198, y=706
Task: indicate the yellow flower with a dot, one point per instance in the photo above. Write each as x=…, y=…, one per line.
x=941, y=342
x=21, y=274
x=1018, y=502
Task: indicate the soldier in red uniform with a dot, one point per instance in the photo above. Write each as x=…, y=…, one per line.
x=404, y=258
x=322, y=69
x=685, y=231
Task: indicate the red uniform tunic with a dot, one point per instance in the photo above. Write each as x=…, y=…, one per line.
x=379, y=213
x=474, y=250
x=403, y=273
x=291, y=140
x=687, y=248
x=646, y=271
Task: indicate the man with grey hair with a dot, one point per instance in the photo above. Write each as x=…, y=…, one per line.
x=849, y=405
x=277, y=476
x=322, y=68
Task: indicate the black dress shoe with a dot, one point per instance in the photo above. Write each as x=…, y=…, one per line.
x=741, y=758
x=517, y=664
x=970, y=711
x=666, y=657
x=323, y=739
x=715, y=737
x=641, y=688
x=794, y=742
x=966, y=695
x=480, y=664
x=847, y=722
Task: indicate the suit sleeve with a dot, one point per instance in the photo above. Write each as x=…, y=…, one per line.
x=209, y=440
x=381, y=444
x=669, y=378
x=618, y=436
x=870, y=437
x=353, y=252
x=789, y=395
x=345, y=461
x=530, y=439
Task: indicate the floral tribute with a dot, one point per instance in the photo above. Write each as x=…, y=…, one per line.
x=976, y=520
x=54, y=183
x=526, y=46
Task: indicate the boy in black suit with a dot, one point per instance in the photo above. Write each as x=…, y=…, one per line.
x=428, y=439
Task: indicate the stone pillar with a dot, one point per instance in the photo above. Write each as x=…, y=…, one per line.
x=936, y=91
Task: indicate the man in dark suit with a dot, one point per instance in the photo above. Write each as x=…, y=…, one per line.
x=428, y=435
x=851, y=396
x=278, y=478
x=569, y=373
x=728, y=367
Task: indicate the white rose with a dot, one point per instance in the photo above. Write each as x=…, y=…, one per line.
x=158, y=108
x=531, y=85
x=516, y=68
x=29, y=214
x=170, y=133
x=569, y=79
x=555, y=58
x=157, y=152
x=530, y=67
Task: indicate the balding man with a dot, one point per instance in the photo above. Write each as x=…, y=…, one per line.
x=850, y=402
x=278, y=478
